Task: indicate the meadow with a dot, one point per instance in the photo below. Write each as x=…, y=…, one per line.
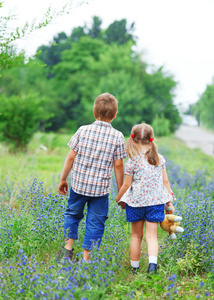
x=31, y=232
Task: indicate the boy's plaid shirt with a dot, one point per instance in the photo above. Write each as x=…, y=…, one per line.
x=97, y=146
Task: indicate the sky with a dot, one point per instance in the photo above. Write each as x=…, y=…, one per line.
x=176, y=34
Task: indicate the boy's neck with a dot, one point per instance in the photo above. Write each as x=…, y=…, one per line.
x=108, y=121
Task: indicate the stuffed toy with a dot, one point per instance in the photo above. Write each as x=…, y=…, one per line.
x=171, y=224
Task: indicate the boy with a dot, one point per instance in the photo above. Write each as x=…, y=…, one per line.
x=95, y=150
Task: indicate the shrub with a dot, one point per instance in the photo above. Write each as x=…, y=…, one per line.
x=161, y=126
x=19, y=119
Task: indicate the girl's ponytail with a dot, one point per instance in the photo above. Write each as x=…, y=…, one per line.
x=131, y=148
x=152, y=155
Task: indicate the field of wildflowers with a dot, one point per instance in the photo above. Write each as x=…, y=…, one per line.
x=31, y=242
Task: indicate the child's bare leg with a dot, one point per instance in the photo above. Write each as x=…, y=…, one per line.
x=86, y=256
x=69, y=244
x=136, y=239
x=152, y=243
x=152, y=238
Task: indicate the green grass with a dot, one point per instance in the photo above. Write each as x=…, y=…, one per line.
x=190, y=159
x=20, y=168
x=47, y=165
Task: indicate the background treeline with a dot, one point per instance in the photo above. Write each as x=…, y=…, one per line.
x=76, y=68
x=203, y=109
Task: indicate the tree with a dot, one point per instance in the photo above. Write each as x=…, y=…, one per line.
x=89, y=66
x=51, y=55
x=95, y=30
x=75, y=80
x=159, y=87
x=204, y=107
x=117, y=32
x=20, y=114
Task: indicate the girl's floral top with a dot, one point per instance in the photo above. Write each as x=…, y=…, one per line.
x=147, y=187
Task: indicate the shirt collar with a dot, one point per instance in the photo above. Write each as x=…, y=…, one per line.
x=102, y=123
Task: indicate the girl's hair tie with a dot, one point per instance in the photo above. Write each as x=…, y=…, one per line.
x=132, y=135
x=151, y=139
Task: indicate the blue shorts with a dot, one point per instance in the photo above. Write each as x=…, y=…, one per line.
x=154, y=213
x=97, y=213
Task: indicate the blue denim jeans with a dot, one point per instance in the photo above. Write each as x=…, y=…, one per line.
x=97, y=213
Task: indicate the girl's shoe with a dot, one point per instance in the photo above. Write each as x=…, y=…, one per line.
x=134, y=270
x=152, y=268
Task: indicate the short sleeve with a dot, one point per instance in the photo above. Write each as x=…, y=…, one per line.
x=74, y=141
x=120, y=150
x=162, y=162
x=129, y=167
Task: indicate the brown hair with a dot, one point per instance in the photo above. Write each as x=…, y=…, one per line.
x=142, y=133
x=105, y=107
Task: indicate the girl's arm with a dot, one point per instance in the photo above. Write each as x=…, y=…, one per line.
x=168, y=207
x=126, y=184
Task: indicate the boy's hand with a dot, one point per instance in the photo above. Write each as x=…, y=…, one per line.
x=169, y=208
x=63, y=187
x=122, y=204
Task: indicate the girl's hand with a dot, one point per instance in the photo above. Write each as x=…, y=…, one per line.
x=169, y=208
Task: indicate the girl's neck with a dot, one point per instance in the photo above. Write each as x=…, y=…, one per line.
x=143, y=148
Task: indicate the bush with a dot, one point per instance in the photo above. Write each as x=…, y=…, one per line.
x=161, y=126
x=19, y=119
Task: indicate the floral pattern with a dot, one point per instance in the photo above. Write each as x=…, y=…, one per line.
x=147, y=187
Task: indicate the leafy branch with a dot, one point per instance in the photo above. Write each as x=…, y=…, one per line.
x=9, y=35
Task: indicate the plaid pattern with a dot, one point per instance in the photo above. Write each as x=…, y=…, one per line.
x=97, y=146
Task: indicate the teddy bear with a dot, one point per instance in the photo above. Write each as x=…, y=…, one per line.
x=171, y=224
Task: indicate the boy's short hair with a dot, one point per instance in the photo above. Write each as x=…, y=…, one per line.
x=105, y=107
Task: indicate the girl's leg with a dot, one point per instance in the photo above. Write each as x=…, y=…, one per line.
x=136, y=239
x=152, y=243
x=152, y=238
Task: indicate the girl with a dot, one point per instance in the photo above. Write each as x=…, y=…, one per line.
x=144, y=193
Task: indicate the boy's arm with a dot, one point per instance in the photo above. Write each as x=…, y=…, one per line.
x=168, y=205
x=119, y=172
x=63, y=185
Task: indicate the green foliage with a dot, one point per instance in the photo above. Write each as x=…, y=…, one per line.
x=118, y=32
x=204, y=108
x=161, y=126
x=10, y=34
x=159, y=86
x=192, y=260
x=92, y=67
x=89, y=62
x=95, y=31
x=19, y=119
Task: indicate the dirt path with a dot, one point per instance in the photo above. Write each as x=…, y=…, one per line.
x=195, y=137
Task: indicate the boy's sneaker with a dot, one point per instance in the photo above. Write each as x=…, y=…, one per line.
x=152, y=269
x=68, y=253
